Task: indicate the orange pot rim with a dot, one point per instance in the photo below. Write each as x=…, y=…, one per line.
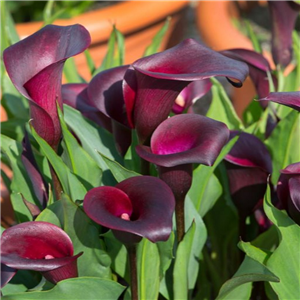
x=128, y=16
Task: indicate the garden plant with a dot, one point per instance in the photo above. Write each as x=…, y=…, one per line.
x=121, y=189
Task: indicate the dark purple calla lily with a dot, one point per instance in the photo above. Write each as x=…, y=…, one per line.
x=39, y=246
x=283, y=15
x=248, y=166
x=35, y=66
x=185, y=139
x=176, y=144
x=153, y=83
x=288, y=190
x=76, y=96
x=137, y=207
x=290, y=99
x=258, y=68
x=106, y=94
x=190, y=94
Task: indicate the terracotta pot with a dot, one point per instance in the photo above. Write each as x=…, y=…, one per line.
x=214, y=21
x=139, y=21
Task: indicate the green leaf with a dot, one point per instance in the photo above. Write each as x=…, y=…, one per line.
x=284, y=143
x=87, y=288
x=253, y=252
x=118, y=254
x=119, y=172
x=285, y=260
x=52, y=214
x=267, y=240
x=93, y=138
x=158, y=38
x=205, y=195
x=253, y=37
x=115, y=52
x=21, y=282
x=221, y=108
x=131, y=159
x=180, y=272
x=296, y=48
x=241, y=292
x=71, y=72
x=148, y=265
x=197, y=242
x=13, y=128
x=249, y=271
x=85, y=237
x=70, y=183
x=259, y=127
x=47, y=13
x=186, y=266
x=166, y=253
x=9, y=34
x=90, y=61
x=252, y=113
x=20, y=183
x=85, y=168
x=15, y=105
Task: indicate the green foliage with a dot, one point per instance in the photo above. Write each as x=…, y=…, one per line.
x=286, y=254
x=158, y=38
x=85, y=168
x=70, y=183
x=27, y=11
x=72, y=289
x=211, y=262
x=284, y=142
x=115, y=52
x=222, y=109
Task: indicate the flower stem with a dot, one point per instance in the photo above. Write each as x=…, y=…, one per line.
x=179, y=213
x=56, y=184
x=179, y=179
x=133, y=271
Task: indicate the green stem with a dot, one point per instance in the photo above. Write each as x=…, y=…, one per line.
x=133, y=271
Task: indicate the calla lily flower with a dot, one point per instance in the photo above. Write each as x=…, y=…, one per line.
x=38, y=246
x=258, y=68
x=288, y=190
x=185, y=139
x=284, y=15
x=190, y=94
x=176, y=144
x=137, y=207
x=35, y=66
x=152, y=84
x=248, y=166
x=106, y=94
x=76, y=96
x=290, y=99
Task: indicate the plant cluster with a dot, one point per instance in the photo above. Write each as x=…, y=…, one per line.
x=122, y=191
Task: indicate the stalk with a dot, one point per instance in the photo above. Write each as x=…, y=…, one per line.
x=131, y=248
x=56, y=184
x=179, y=214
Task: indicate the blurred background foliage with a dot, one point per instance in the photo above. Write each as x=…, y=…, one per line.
x=28, y=11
